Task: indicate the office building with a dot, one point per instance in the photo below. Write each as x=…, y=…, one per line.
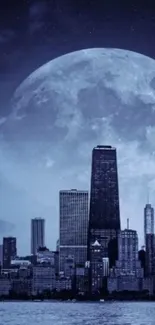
x=73, y=226
x=128, y=273
x=148, y=220
x=104, y=216
x=149, y=239
x=43, y=278
x=104, y=197
x=128, y=263
x=37, y=234
x=9, y=251
x=150, y=254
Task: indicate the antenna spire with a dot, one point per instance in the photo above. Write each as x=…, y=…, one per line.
x=128, y=223
x=148, y=196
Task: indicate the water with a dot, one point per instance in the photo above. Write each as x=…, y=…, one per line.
x=55, y=313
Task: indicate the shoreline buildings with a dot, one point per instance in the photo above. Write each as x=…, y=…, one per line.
x=93, y=256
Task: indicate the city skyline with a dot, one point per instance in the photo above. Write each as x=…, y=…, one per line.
x=104, y=152
x=66, y=85
x=77, y=161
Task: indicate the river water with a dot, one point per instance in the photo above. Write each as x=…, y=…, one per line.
x=59, y=313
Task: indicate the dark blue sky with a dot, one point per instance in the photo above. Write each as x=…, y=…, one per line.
x=33, y=32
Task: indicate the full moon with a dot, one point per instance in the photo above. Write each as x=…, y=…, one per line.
x=59, y=113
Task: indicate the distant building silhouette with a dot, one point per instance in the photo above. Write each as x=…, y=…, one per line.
x=142, y=259
x=150, y=254
x=149, y=240
x=9, y=251
x=148, y=220
x=37, y=234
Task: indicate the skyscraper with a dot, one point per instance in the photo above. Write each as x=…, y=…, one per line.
x=148, y=219
x=149, y=239
x=104, y=197
x=150, y=254
x=128, y=260
x=104, y=217
x=9, y=251
x=73, y=226
x=37, y=234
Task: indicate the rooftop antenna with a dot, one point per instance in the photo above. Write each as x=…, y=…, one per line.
x=128, y=223
x=148, y=196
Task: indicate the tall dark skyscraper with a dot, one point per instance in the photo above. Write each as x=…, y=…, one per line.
x=104, y=216
x=104, y=199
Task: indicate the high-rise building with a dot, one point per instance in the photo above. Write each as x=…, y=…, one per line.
x=9, y=251
x=37, y=234
x=148, y=220
x=104, y=197
x=73, y=226
x=104, y=216
x=150, y=254
x=149, y=239
x=128, y=263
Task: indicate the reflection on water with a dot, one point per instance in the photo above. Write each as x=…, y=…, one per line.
x=53, y=313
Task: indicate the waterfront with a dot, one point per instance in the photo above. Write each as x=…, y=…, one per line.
x=64, y=313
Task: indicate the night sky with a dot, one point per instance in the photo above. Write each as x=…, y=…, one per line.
x=31, y=34
x=34, y=32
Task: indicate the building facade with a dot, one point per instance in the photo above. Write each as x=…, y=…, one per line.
x=73, y=226
x=9, y=251
x=37, y=234
x=148, y=220
x=150, y=254
x=43, y=279
x=104, y=214
x=96, y=268
x=149, y=239
x=127, y=274
x=104, y=197
x=128, y=260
